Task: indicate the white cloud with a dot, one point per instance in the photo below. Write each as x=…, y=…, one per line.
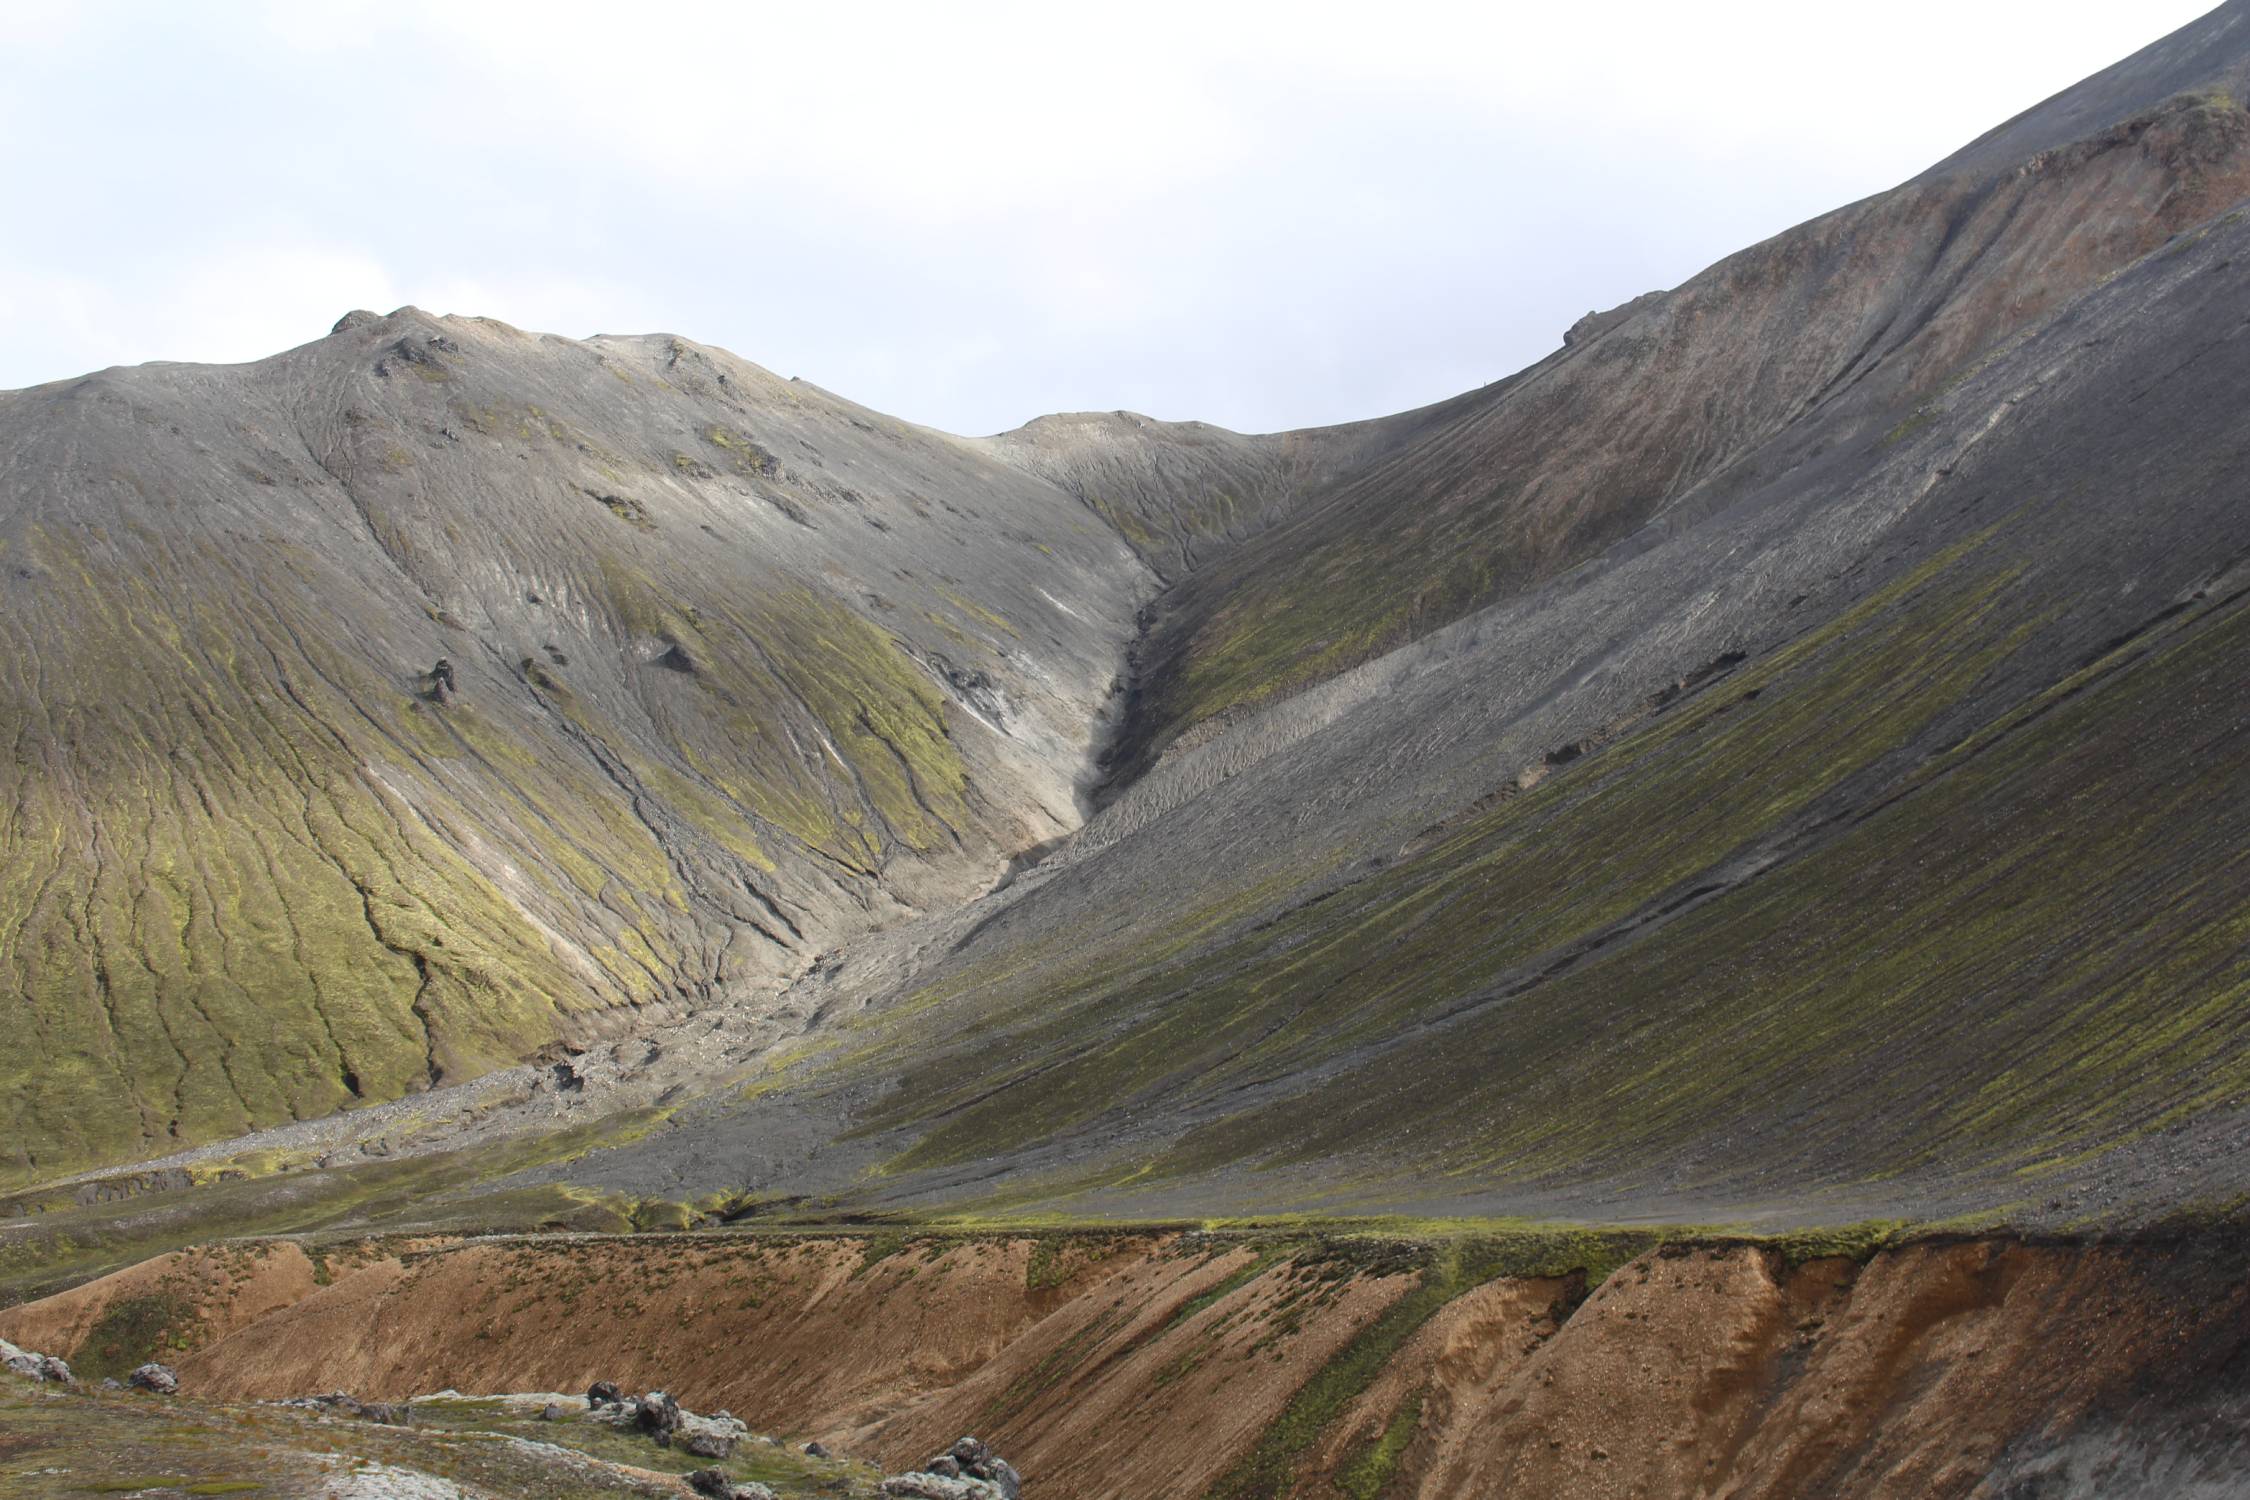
x=1260, y=215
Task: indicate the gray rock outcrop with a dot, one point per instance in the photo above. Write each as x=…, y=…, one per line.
x=159, y=1379
x=40, y=1367
x=969, y=1470
x=720, y=1485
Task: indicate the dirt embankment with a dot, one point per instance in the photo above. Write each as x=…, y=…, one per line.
x=1154, y=1365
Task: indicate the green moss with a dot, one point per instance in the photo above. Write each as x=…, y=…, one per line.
x=1916, y=421
x=270, y=930
x=443, y=1191
x=877, y=1248
x=1270, y=1467
x=1955, y=921
x=131, y=1332
x=1366, y=1475
x=1600, y=842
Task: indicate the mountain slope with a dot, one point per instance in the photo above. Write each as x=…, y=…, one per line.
x=1775, y=758
x=1670, y=401
x=388, y=709
x=1853, y=839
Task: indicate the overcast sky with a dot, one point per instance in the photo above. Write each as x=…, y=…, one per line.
x=961, y=215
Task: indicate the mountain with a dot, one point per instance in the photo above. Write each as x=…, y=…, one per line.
x=1675, y=924
x=1779, y=759
x=401, y=705
x=1773, y=761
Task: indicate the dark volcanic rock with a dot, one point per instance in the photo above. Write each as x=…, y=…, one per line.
x=658, y=1414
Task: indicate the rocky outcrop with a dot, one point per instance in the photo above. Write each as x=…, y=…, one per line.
x=40, y=1367
x=156, y=1379
x=720, y=1485
x=1595, y=324
x=969, y=1470
x=659, y=1416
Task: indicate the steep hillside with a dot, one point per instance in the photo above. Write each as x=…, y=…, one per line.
x=1238, y=1366
x=397, y=706
x=1672, y=925
x=1853, y=839
x=1684, y=400
x=1775, y=760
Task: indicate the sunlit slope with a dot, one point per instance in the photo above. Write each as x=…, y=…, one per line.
x=393, y=707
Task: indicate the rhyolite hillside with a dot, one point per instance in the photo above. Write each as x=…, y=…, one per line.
x=1781, y=758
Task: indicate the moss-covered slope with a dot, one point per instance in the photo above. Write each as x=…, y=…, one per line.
x=394, y=707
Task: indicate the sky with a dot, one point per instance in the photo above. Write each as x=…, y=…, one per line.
x=967, y=215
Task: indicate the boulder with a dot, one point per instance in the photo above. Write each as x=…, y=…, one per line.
x=939, y=1487
x=550, y=1413
x=705, y=1444
x=658, y=1414
x=815, y=1450
x=31, y=1366
x=708, y=1437
x=604, y=1393
x=717, y=1484
x=161, y=1379
x=969, y=1470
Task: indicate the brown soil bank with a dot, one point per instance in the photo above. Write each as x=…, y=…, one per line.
x=1160, y=1365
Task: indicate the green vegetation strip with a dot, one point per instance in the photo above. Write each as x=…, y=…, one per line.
x=1450, y=1268
x=1270, y=1468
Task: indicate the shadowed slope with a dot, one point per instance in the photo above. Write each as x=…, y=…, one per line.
x=1856, y=840
x=1852, y=318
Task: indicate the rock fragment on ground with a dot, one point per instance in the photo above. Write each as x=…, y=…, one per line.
x=159, y=1379
x=720, y=1485
x=387, y=1413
